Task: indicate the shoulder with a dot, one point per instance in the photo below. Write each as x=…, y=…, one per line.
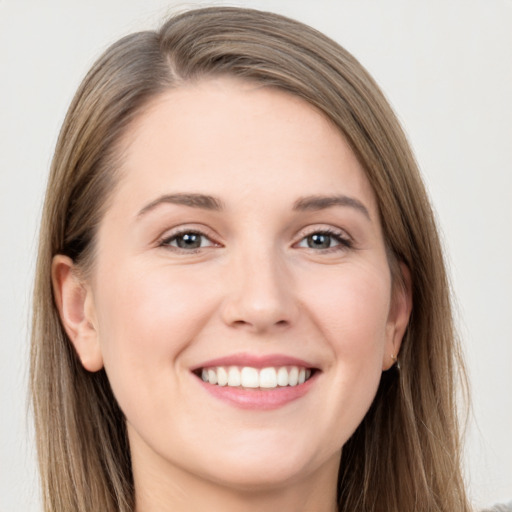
x=506, y=507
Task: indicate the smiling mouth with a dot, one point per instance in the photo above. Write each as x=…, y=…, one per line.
x=247, y=377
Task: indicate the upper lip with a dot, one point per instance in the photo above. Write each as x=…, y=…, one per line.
x=255, y=361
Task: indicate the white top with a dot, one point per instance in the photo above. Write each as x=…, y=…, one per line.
x=506, y=507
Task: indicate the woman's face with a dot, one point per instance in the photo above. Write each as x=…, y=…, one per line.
x=242, y=244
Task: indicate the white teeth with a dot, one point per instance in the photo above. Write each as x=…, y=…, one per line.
x=248, y=377
x=233, y=376
x=212, y=376
x=282, y=376
x=268, y=378
x=222, y=376
x=293, y=376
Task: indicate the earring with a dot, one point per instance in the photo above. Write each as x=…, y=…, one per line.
x=395, y=361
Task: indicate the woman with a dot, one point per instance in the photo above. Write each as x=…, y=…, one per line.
x=192, y=348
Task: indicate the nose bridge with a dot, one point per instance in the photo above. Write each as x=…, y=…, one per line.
x=260, y=294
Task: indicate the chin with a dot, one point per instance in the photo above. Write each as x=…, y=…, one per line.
x=270, y=468
x=265, y=475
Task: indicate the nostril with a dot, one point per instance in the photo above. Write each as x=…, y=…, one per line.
x=259, y=323
x=240, y=323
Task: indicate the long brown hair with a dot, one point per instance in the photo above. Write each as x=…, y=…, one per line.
x=405, y=455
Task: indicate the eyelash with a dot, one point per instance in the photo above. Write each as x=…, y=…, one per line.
x=342, y=240
x=166, y=242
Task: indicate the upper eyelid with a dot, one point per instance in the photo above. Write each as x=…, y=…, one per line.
x=192, y=228
x=211, y=235
x=331, y=230
x=177, y=234
x=166, y=240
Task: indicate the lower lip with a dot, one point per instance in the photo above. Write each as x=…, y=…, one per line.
x=263, y=399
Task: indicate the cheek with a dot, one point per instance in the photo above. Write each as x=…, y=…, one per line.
x=351, y=306
x=146, y=319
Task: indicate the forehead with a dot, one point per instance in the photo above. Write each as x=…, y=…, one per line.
x=225, y=135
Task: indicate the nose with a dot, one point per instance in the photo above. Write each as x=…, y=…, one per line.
x=260, y=294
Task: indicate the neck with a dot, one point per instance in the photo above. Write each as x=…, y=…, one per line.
x=177, y=490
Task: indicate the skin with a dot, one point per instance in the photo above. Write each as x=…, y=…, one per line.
x=150, y=311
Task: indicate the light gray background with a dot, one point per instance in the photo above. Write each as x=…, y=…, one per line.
x=446, y=67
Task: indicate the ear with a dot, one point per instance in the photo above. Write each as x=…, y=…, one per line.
x=398, y=319
x=76, y=308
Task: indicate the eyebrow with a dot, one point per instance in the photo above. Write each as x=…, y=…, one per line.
x=193, y=200
x=324, y=202
x=206, y=202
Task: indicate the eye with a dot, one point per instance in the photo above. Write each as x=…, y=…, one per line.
x=187, y=241
x=322, y=240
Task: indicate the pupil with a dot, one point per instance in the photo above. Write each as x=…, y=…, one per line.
x=319, y=241
x=189, y=241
